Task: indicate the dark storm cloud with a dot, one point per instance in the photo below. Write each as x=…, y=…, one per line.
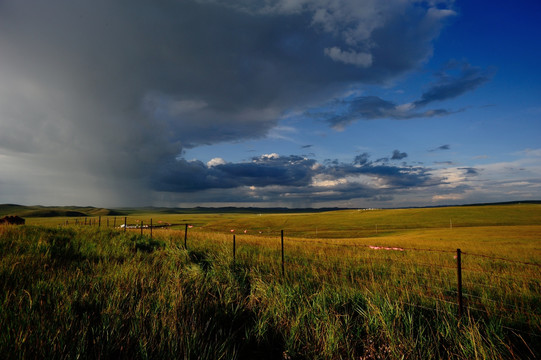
x=362, y=159
x=393, y=176
x=397, y=155
x=183, y=175
x=451, y=85
x=371, y=108
x=111, y=92
x=448, y=85
x=291, y=178
x=442, y=147
x=469, y=171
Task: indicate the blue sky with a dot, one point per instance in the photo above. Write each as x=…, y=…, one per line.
x=293, y=103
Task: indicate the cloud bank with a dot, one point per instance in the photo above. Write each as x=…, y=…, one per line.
x=295, y=180
x=448, y=85
x=107, y=95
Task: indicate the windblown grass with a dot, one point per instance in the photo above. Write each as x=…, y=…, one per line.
x=84, y=292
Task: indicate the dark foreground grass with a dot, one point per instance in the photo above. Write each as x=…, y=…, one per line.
x=90, y=293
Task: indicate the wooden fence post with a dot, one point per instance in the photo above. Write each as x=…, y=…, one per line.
x=99, y=221
x=142, y=228
x=125, y=223
x=114, y=222
x=459, y=278
x=185, y=236
x=283, y=268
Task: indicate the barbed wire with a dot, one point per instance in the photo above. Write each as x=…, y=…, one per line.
x=500, y=276
x=434, y=293
x=373, y=247
x=465, y=284
x=500, y=258
x=506, y=306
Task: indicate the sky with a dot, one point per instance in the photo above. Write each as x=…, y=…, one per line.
x=266, y=103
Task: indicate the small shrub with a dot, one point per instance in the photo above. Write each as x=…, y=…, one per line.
x=148, y=245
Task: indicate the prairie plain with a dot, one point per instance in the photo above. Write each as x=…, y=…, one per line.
x=338, y=285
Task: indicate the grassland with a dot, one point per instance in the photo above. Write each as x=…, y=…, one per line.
x=88, y=292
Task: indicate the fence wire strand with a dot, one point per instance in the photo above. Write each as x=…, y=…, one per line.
x=500, y=258
x=431, y=282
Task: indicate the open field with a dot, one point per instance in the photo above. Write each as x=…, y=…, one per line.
x=353, y=284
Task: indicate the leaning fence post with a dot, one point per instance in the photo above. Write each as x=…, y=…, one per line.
x=234, y=249
x=125, y=219
x=185, y=236
x=283, y=268
x=459, y=278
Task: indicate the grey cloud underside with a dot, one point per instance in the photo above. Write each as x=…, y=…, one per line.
x=182, y=175
x=442, y=147
x=397, y=155
x=448, y=86
x=291, y=178
x=243, y=69
x=116, y=90
x=469, y=171
x=371, y=108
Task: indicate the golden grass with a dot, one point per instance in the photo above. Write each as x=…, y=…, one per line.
x=122, y=294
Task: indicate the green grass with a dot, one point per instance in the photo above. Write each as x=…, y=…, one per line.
x=76, y=291
x=362, y=223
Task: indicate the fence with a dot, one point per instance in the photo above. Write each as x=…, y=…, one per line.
x=122, y=221
x=471, y=283
x=474, y=290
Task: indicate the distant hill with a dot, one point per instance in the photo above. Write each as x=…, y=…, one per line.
x=225, y=209
x=53, y=211
x=81, y=211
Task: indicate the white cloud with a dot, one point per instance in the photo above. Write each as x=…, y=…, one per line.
x=320, y=182
x=517, y=183
x=349, y=57
x=531, y=153
x=405, y=107
x=439, y=14
x=448, y=197
x=282, y=132
x=216, y=161
x=270, y=156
